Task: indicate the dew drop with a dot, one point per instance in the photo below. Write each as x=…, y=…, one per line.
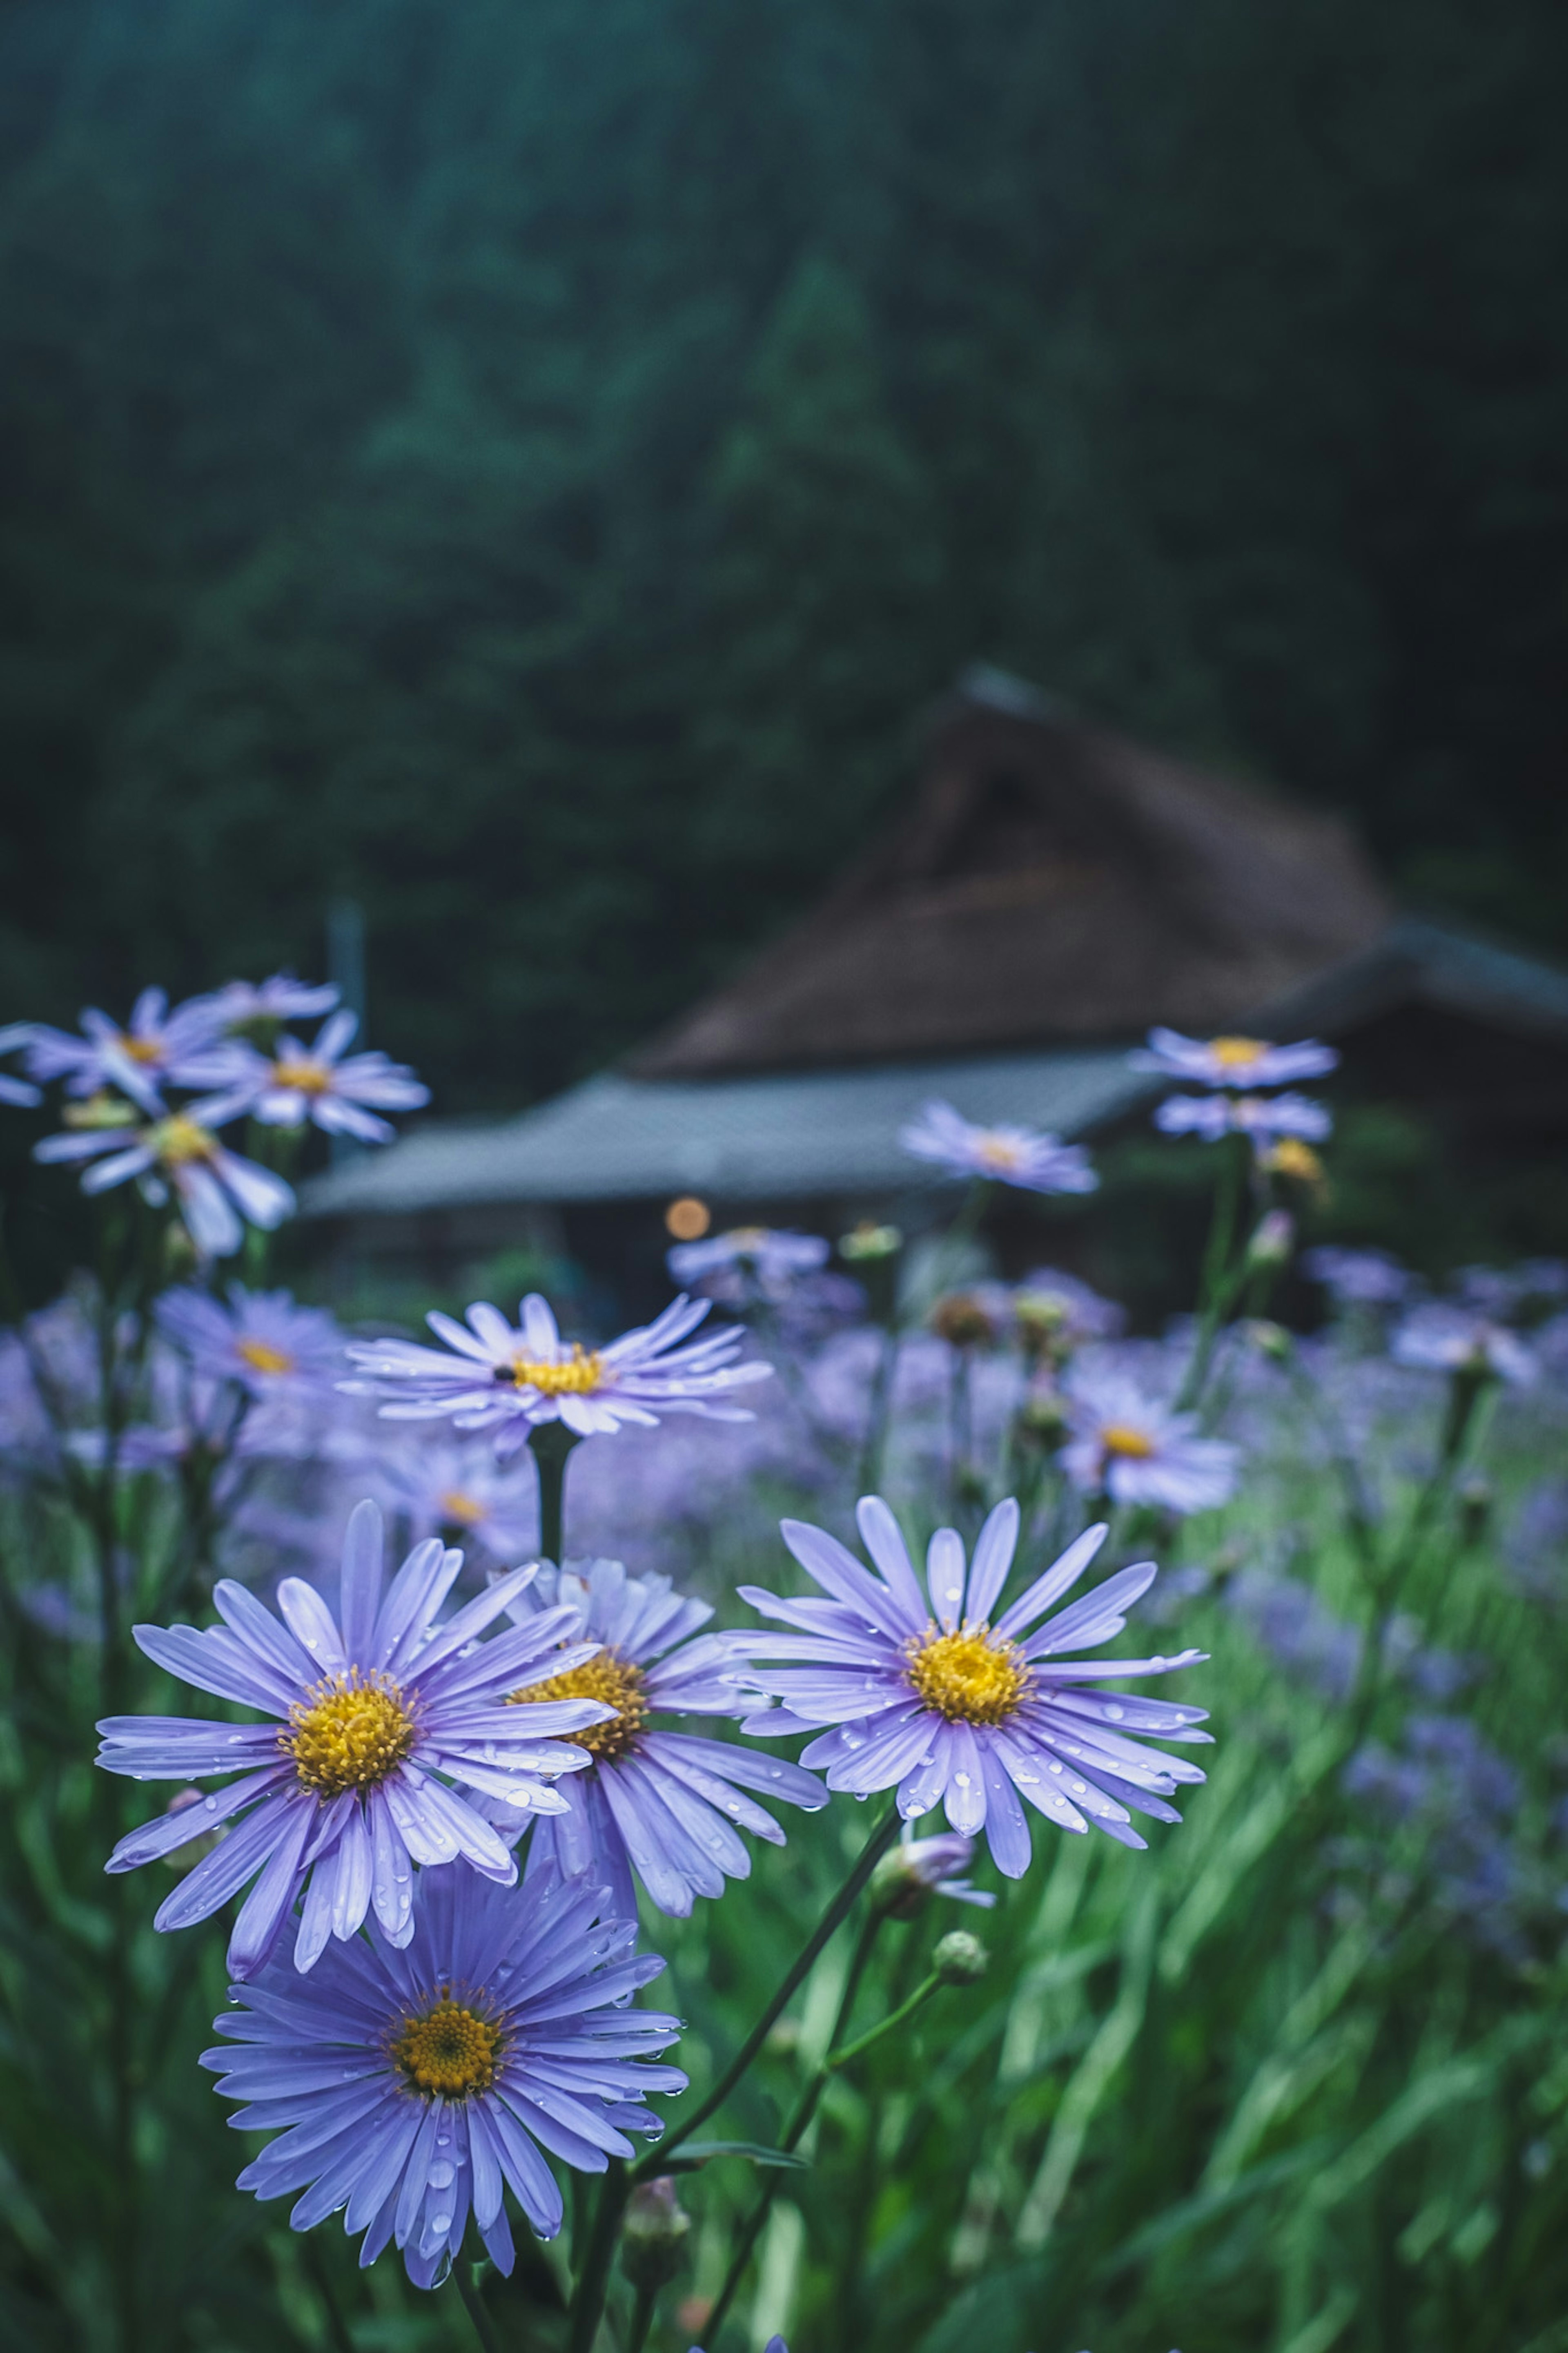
x=439, y=2225
x=442, y=2176
x=1115, y=1713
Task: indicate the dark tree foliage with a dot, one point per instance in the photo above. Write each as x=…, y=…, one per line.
x=526, y=465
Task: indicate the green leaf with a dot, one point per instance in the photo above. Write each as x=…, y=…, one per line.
x=698, y=2152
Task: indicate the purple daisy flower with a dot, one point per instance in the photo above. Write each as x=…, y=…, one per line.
x=454, y=1489
x=955, y=1710
x=408, y=2088
x=662, y=1804
x=1357, y=1278
x=1264, y=1118
x=1448, y=1339
x=156, y=1047
x=506, y=1380
x=1125, y=1444
x=1008, y=1155
x=346, y=1785
x=749, y=1262
x=218, y=1191
x=276, y=1351
x=313, y=1084
x=244, y=1008
x=1231, y=1061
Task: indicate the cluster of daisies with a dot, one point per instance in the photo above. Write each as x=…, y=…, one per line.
x=144, y=1101
x=435, y=1822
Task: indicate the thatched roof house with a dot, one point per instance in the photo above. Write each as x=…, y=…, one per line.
x=1051, y=891
x=1051, y=882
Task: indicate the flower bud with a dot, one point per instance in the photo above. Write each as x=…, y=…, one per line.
x=1268, y=1339
x=1475, y=1501
x=1042, y=1422
x=1271, y=1242
x=869, y=1241
x=906, y=1879
x=654, y=2233
x=959, y=1958
x=963, y=1321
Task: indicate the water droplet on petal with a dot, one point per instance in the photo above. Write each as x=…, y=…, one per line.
x=1115, y=1713
x=443, y=2175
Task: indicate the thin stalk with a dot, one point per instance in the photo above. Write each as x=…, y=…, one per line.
x=793, y=2132
x=473, y=2304
x=881, y=1838
x=550, y=1443
x=592, y=2280
x=878, y=1416
x=1213, y=1297
x=642, y=2317
x=961, y=1426
x=895, y=2018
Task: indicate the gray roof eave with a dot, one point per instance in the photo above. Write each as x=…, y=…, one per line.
x=794, y=1136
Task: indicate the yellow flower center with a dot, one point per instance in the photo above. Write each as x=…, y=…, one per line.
x=450, y=2051
x=178, y=1140
x=264, y=1358
x=306, y=1075
x=353, y=1733
x=577, y=1375
x=969, y=1677
x=466, y=1510
x=1238, y=1053
x=607, y=1677
x=997, y=1151
x=1291, y=1157
x=747, y=1240
x=1121, y=1438
x=141, y=1049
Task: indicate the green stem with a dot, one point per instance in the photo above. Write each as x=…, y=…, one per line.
x=871, y=1853
x=795, y=2131
x=473, y=2304
x=876, y=1419
x=1216, y=1293
x=642, y=2317
x=550, y=1443
x=592, y=2280
x=916, y=2001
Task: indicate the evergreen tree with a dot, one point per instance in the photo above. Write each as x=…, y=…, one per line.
x=822, y=627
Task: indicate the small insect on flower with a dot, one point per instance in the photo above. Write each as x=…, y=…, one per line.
x=370, y=1717
x=1231, y=1061
x=954, y=1709
x=665, y=1805
x=410, y=2088
x=218, y=1191
x=297, y=1085
x=1038, y=1162
x=506, y=1380
x=1127, y=1445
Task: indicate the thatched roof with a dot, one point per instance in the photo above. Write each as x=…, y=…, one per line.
x=1053, y=882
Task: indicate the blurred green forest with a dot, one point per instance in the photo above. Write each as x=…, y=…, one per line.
x=524, y=464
